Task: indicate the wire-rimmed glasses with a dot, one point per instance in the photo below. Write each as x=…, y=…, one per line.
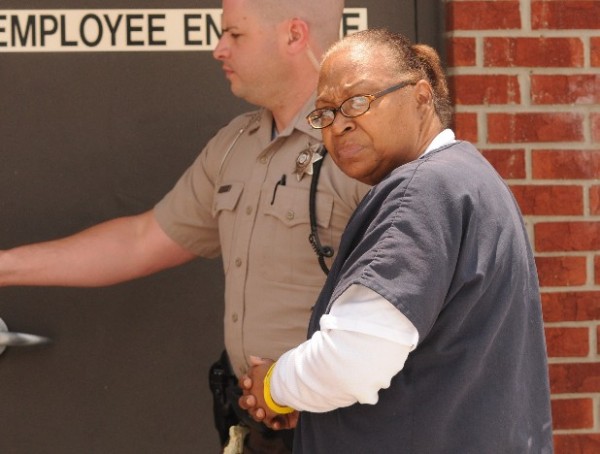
x=350, y=108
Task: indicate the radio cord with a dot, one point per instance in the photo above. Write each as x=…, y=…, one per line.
x=321, y=251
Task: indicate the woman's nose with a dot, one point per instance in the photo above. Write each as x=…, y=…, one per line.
x=342, y=124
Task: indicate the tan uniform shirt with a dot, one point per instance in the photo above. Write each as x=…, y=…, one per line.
x=229, y=202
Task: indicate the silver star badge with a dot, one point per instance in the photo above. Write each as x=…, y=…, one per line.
x=306, y=159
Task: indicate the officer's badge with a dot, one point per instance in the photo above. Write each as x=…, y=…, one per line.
x=306, y=159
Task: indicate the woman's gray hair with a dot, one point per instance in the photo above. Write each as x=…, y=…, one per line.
x=418, y=60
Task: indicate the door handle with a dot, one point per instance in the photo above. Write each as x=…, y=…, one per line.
x=8, y=339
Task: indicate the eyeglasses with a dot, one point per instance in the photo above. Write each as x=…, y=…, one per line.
x=350, y=108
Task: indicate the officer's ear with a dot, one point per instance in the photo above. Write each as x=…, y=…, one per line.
x=298, y=35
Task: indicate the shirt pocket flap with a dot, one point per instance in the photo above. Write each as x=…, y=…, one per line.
x=291, y=207
x=227, y=197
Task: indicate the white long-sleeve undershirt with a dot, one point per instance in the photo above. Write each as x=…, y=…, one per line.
x=363, y=342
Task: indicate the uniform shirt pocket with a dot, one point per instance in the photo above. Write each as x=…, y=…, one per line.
x=287, y=253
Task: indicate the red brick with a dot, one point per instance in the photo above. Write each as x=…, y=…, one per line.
x=565, y=164
x=567, y=342
x=561, y=271
x=574, y=378
x=572, y=414
x=577, y=444
x=497, y=89
x=509, y=164
x=595, y=127
x=595, y=51
x=549, y=200
x=535, y=127
x=595, y=200
x=533, y=52
x=490, y=15
x=567, y=236
x=564, y=15
x=597, y=271
x=571, y=306
x=460, y=51
x=563, y=89
x=465, y=126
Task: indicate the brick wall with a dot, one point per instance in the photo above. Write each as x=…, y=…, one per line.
x=525, y=77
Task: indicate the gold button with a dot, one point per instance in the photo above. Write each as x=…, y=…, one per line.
x=238, y=262
x=234, y=317
x=248, y=209
x=263, y=160
x=290, y=215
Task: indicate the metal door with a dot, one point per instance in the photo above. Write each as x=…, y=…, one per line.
x=87, y=136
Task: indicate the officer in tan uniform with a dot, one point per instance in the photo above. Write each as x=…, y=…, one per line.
x=246, y=197
x=253, y=209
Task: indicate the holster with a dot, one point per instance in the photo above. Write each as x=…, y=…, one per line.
x=220, y=379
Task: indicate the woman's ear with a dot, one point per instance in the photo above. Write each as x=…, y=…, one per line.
x=423, y=92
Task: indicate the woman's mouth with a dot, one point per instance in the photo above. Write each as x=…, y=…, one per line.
x=348, y=151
